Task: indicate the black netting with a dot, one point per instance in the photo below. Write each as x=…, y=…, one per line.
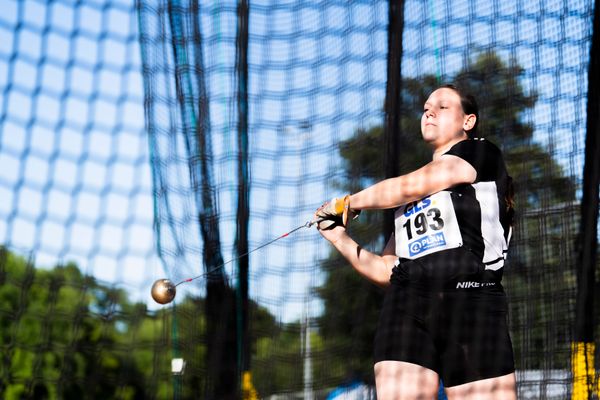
x=121, y=134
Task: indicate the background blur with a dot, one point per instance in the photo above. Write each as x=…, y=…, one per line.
x=154, y=139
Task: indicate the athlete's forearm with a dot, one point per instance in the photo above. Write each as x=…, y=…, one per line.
x=371, y=266
x=442, y=173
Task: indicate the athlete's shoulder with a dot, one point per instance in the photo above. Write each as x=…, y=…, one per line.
x=478, y=144
x=486, y=144
x=482, y=154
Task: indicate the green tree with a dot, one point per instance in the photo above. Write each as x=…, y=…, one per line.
x=63, y=335
x=351, y=304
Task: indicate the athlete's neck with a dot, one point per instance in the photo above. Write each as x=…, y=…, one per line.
x=440, y=150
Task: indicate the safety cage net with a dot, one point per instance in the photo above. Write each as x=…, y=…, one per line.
x=193, y=141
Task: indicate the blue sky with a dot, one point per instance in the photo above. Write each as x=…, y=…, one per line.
x=75, y=183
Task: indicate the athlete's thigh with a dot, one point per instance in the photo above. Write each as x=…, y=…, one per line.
x=499, y=388
x=405, y=331
x=475, y=342
x=399, y=380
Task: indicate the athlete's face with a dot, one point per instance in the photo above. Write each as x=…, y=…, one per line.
x=443, y=118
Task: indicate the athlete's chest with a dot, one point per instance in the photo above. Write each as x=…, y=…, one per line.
x=428, y=225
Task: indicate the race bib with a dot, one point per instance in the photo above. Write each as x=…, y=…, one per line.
x=427, y=226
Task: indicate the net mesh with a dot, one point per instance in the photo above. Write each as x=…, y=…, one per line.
x=118, y=160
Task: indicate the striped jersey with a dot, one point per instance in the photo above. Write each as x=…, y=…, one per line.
x=474, y=216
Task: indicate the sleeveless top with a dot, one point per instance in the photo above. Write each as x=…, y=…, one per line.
x=474, y=216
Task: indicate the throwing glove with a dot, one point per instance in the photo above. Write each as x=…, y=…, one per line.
x=329, y=223
x=338, y=207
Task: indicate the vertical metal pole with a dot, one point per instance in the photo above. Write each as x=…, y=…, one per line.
x=391, y=130
x=243, y=340
x=583, y=347
x=308, y=383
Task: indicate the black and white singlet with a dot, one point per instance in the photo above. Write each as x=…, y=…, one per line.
x=445, y=308
x=473, y=216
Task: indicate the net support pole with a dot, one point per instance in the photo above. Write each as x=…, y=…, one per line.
x=585, y=381
x=243, y=209
x=391, y=139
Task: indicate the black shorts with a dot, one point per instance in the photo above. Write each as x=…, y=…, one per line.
x=457, y=330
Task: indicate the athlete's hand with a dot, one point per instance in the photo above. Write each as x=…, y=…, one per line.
x=337, y=207
x=331, y=229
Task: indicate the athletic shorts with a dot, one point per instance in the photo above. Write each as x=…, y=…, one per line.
x=457, y=329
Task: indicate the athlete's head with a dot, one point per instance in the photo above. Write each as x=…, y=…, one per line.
x=469, y=105
x=448, y=113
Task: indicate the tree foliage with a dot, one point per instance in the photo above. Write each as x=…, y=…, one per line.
x=64, y=335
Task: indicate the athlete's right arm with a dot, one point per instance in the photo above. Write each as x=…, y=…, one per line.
x=441, y=173
x=376, y=268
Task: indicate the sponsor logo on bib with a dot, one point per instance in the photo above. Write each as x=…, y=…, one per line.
x=426, y=243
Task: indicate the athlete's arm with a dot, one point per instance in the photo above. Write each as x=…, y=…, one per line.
x=376, y=268
x=442, y=173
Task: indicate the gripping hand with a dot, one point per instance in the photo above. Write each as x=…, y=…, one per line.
x=336, y=208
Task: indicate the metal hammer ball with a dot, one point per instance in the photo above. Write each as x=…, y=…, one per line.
x=163, y=291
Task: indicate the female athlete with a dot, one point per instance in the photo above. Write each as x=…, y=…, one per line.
x=444, y=313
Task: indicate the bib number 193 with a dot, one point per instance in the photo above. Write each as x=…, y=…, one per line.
x=427, y=226
x=432, y=219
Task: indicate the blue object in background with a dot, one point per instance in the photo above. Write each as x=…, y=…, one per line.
x=441, y=393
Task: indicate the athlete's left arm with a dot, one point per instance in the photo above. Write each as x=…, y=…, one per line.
x=441, y=173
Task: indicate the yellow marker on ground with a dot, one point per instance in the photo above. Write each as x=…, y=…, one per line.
x=585, y=380
x=248, y=390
